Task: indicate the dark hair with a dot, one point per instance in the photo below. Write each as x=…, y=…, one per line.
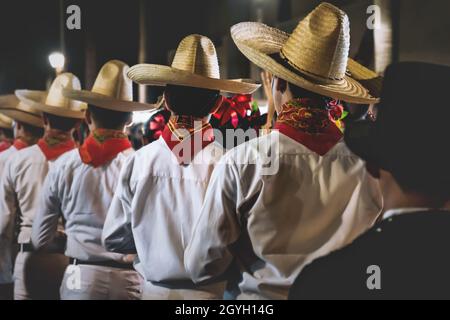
x=9, y=133
x=109, y=119
x=190, y=101
x=33, y=131
x=61, y=123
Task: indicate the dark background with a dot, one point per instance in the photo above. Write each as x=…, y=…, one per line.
x=30, y=31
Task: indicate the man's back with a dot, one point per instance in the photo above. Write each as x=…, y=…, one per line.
x=303, y=210
x=402, y=257
x=165, y=199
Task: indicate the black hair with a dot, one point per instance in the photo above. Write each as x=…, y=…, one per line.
x=109, y=119
x=33, y=131
x=189, y=101
x=9, y=133
x=61, y=123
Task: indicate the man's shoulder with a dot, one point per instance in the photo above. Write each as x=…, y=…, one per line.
x=404, y=251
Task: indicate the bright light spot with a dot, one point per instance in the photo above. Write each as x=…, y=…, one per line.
x=142, y=116
x=57, y=60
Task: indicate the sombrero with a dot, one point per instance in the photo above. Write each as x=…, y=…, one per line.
x=314, y=56
x=5, y=122
x=195, y=65
x=112, y=90
x=20, y=111
x=54, y=101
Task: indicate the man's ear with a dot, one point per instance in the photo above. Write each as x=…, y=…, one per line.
x=217, y=104
x=45, y=119
x=88, y=117
x=373, y=170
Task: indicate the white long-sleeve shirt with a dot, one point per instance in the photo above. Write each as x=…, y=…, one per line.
x=20, y=185
x=274, y=219
x=155, y=208
x=81, y=194
x=5, y=254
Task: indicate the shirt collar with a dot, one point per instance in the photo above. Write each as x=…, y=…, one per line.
x=400, y=211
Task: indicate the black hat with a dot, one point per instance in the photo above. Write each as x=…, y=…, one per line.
x=411, y=137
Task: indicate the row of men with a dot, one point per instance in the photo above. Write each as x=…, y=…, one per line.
x=180, y=220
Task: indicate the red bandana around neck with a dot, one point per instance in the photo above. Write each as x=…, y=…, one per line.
x=20, y=144
x=5, y=145
x=55, y=143
x=102, y=146
x=184, y=139
x=315, y=128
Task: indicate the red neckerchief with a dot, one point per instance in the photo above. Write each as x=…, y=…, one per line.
x=184, y=139
x=102, y=146
x=55, y=143
x=20, y=144
x=5, y=145
x=312, y=127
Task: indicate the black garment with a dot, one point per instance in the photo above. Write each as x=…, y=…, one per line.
x=411, y=250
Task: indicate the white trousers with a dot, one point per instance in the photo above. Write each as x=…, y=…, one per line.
x=157, y=292
x=37, y=276
x=86, y=282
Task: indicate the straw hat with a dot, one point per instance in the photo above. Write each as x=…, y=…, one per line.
x=112, y=90
x=20, y=111
x=195, y=65
x=314, y=56
x=5, y=122
x=54, y=101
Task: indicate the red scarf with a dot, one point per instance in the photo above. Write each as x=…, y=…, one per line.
x=4, y=145
x=20, y=144
x=184, y=139
x=102, y=146
x=55, y=143
x=314, y=128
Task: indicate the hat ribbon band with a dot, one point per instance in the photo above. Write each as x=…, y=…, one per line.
x=291, y=66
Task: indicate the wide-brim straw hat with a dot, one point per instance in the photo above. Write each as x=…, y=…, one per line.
x=112, y=90
x=314, y=56
x=54, y=101
x=195, y=65
x=5, y=122
x=13, y=108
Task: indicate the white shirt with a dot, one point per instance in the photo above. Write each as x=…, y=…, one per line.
x=155, y=208
x=4, y=157
x=20, y=186
x=5, y=254
x=277, y=223
x=81, y=194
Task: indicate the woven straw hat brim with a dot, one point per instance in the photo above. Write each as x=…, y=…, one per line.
x=159, y=75
x=23, y=116
x=5, y=124
x=106, y=102
x=258, y=41
x=34, y=98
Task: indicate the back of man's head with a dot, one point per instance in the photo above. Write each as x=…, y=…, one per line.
x=61, y=123
x=189, y=101
x=30, y=130
x=109, y=119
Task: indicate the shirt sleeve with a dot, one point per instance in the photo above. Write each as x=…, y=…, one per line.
x=117, y=233
x=8, y=213
x=207, y=255
x=45, y=223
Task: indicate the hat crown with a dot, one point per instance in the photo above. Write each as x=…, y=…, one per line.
x=197, y=54
x=112, y=81
x=320, y=44
x=55, y=97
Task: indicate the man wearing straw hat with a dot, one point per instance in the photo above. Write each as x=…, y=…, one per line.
x=272, y=224
x=37, y=275
x=83, y=199
x=6, y=132
x=405, y=255
x=162, y=186
x=27, y=129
